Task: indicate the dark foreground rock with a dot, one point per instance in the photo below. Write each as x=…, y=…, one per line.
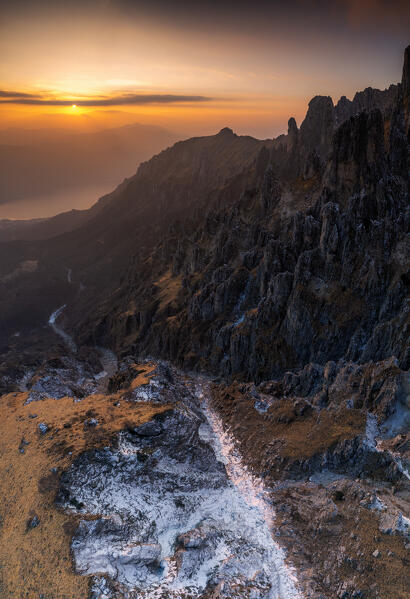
x=202, y=501
x=163, y=518
x=333, y=445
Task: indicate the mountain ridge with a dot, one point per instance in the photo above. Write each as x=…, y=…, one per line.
x=365, y=163
x=191, y=179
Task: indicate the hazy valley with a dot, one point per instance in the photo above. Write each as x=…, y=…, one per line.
x=43, y=173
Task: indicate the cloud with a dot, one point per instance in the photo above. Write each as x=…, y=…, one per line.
x=16, y=95
x=386, y=13
x=119, y=100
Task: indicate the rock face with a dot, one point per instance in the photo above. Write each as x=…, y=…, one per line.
x=307, y=264
x=406, y=87
x=247, y=257
x=282, y=278
x=366, y=101
x=336, y=411
x=177, y=184
x=64, y=376
x=317, y=129
x=167, y=521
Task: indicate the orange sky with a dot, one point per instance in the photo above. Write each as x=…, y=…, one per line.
x=251, y=72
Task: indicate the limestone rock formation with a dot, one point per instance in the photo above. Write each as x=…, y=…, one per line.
x=286, y=273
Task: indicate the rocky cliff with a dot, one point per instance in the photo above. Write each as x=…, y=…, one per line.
x=304, y=267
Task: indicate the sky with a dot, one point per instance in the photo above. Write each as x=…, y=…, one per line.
x=192, y=67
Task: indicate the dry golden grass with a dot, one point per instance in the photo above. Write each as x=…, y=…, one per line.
x=143, y=373
x=169, y=288
x=311, y=435
x=38, y=560
x=282, y=436
x=355, y=534
x=299, y=437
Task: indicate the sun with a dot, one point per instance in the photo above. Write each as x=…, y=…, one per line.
x=73, y=109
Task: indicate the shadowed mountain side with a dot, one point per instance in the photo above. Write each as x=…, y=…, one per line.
x=177, y=184
x=300, y=268
x=43, y=228
x=280, y=268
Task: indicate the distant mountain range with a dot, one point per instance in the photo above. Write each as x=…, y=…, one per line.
x=44, y=163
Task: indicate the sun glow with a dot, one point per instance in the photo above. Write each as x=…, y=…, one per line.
x=74, y=109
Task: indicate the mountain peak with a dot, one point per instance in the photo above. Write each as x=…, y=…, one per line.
x=292, y=126
x=226, y=131
x=406, y=72
x=318, y=126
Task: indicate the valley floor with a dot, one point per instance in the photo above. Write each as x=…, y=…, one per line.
x=160, y=484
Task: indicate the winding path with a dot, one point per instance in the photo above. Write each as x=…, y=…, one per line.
x=108, y=358
x=52, y=321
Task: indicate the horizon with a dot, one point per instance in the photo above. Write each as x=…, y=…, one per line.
x=192, y=70
x=100, y=67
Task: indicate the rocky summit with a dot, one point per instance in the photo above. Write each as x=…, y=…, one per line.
x=205, y=377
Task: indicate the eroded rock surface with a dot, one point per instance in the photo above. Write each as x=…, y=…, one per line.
x=333, y=445
x=167, y=521
x=280, y=266
x=306, y=268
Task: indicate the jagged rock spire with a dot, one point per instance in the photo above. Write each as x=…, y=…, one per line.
x=317, y=129
x=405, y=81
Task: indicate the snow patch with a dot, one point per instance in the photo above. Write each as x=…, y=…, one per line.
x=172, y=519
x=260, y=513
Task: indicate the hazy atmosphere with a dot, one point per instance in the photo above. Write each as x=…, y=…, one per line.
x=189, y=68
